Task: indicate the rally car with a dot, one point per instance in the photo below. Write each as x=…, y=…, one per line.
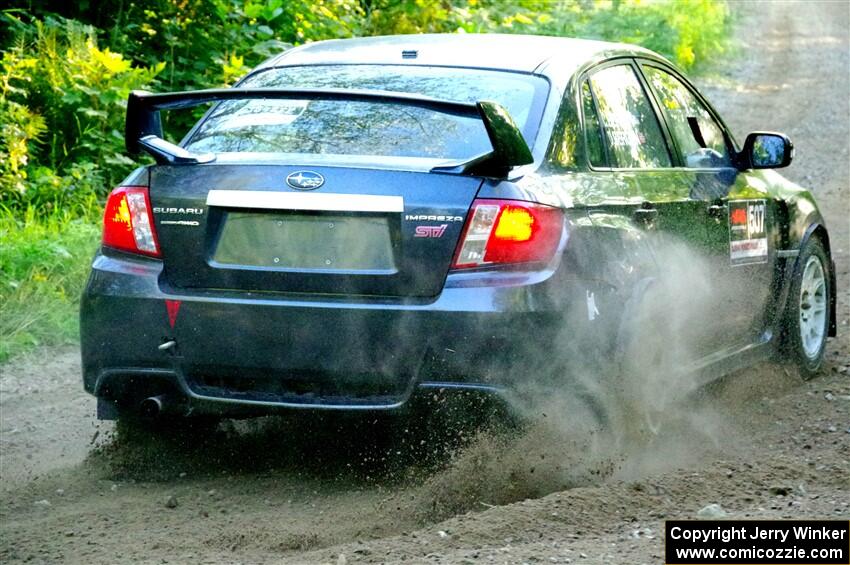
x=360, y=222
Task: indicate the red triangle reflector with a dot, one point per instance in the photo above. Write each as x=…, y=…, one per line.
x=173, y=306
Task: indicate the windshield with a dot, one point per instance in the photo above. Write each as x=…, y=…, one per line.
x=334, y=127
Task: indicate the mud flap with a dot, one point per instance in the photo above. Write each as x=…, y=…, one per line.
x=106, y=409
x=832, y=329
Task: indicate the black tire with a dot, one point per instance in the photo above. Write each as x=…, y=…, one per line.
x=801, y=302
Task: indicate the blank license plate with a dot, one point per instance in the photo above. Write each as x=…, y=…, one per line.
x=299, y=241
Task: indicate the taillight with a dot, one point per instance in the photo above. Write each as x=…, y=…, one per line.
x=127, y=221
x=509, y=231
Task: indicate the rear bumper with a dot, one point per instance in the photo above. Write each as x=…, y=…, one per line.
x=188, y=399
x=261, y=352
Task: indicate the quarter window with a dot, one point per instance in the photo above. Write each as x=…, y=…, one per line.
x=699, y=139
x=632, y=133
x=593, y=132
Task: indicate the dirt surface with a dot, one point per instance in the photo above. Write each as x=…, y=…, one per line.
x=761, y=443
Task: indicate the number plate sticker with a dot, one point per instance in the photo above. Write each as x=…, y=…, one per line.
x=747, y=233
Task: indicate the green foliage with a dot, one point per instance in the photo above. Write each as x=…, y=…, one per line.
x=386, y=17
x=689, y=32
x=19, y=126
x=62, y=103
x=44, y=261
x=213, y=42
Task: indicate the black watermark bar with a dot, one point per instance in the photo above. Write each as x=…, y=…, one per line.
x=757, y=542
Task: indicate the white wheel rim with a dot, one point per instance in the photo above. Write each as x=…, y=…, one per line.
x=813, y=307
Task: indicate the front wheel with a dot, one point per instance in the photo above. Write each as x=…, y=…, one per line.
x=806, y=322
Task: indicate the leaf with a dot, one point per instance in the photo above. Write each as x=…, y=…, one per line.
x=119, y=159
x=87, y=89
x=62, y=252
x=114, y=63
x=253, y=10
x=71, y=98
x=91, y=112
x=270, y=47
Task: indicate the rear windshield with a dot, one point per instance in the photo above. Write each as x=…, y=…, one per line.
x=333, y=127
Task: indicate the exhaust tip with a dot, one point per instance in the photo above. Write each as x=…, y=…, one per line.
x=151, y=407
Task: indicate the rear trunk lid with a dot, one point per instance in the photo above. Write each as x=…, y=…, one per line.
x=242, y=227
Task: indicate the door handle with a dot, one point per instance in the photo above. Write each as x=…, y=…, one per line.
x=645, y=215
x=717, y=210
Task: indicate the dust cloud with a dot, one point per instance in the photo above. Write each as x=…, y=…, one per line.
x=641, y=411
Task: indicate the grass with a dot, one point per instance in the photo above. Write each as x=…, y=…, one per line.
x=44, y=262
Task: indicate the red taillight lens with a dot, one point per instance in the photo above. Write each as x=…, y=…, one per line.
x=509, y=231
x=127, y=221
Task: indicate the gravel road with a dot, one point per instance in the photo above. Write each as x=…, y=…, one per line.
x=762, y=443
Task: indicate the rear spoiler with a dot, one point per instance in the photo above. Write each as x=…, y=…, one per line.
x=143, y=130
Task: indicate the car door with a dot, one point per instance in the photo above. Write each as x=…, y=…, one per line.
x=740, y=215
x=626, y=139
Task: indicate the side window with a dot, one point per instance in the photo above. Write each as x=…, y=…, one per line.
x=699, y=138
x=632, y=133
x=593, y=132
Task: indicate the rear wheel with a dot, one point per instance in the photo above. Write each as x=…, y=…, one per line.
x=806, y=322
x=651, y=384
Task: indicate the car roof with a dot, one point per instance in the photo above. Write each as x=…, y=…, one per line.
x=555, y=57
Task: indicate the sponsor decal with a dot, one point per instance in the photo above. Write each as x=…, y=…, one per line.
x=738, y=217
x=430, y=231
x=747, y=232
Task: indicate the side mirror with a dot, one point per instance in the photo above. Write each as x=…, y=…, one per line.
x=767, y=150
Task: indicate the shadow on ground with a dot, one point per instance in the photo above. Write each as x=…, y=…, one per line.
x=324, y=446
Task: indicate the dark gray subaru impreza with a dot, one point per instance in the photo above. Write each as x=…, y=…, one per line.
x=361, y=222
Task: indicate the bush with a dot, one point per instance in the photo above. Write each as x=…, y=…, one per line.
x=62, y=108
x=209, y=43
